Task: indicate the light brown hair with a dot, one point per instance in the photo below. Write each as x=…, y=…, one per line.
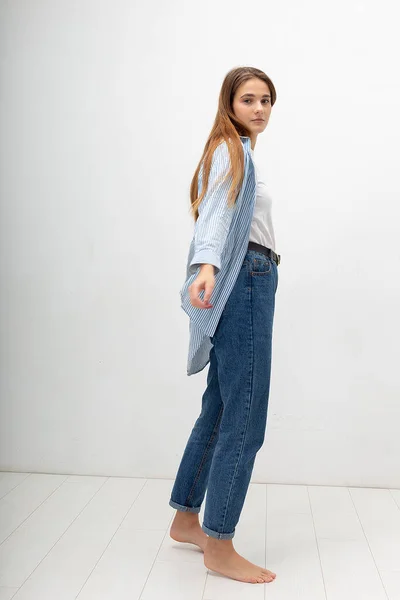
x=227, y=127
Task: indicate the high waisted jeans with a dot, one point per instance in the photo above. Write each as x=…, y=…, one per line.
x=221, y=449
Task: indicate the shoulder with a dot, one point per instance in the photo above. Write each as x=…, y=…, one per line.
x=220, y=160
x=221, y=154
x=224, y=153
x=223, y=149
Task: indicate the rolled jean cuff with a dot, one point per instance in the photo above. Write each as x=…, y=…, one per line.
x=193, y=509
x=215, y=534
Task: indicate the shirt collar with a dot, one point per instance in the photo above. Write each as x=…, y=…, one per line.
x=246, y=141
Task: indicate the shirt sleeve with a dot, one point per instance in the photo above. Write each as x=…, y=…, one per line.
x=213, y=222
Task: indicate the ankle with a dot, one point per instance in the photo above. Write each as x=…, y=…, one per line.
x=217, y=545
x=186, y=516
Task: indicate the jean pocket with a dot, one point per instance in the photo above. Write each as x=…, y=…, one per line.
x=261, y=266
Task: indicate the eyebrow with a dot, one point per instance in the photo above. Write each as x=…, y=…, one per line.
x=253, y=95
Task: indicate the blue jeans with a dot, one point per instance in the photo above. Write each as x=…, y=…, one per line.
x=221, y=449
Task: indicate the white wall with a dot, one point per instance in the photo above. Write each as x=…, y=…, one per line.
x=105, y=109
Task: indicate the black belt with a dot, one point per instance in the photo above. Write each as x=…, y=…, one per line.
x=267, y=251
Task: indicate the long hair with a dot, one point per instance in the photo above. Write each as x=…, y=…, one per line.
x=227, y=127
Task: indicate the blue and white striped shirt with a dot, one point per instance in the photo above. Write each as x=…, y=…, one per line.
x=221, y=236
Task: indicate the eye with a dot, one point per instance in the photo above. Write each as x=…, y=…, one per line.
x=266, y=100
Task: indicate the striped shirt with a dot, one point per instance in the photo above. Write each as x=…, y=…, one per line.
x=221, y=236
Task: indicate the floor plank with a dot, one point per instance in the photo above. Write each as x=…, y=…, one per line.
x=95, y=538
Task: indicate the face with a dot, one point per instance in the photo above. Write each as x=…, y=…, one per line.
x=252, y=105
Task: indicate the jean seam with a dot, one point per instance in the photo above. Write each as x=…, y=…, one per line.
x=248, y=413
x=212, y=436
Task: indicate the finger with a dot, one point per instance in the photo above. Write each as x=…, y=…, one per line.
x=194, y=291
x=199, y=303
x=208, y=292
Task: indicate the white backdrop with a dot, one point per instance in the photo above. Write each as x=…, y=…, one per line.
x=105, y=109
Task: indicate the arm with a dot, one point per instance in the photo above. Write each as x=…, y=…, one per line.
x=212, y=225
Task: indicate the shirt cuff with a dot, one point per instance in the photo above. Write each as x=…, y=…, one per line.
x=202, y=257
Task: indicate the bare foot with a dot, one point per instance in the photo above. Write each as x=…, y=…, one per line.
x=186, y=528
x=220, y=556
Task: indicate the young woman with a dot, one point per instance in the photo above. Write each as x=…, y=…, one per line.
x=232, y=262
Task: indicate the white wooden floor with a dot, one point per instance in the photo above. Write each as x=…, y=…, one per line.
x=65, y=537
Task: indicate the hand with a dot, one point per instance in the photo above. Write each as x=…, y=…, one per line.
x=205, y=280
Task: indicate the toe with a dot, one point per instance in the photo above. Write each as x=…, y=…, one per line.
x=267, y=572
